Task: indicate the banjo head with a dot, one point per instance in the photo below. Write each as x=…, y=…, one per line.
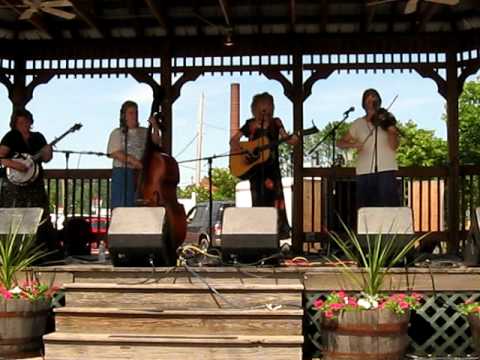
x=23, y=178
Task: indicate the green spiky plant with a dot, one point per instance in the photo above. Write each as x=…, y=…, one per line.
x=377, y=257
x=17, y=253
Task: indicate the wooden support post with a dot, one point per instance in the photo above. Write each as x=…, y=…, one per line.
x=18, y=90
x=167, y=101
x=297, y=211
x=453, y=92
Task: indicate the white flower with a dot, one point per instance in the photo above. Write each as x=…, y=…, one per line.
x=364, y=303
x=368, y=303
x=16, y=290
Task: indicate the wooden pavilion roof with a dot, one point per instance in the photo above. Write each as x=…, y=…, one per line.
x=171, y=19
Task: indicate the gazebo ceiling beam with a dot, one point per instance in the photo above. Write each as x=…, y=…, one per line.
x=324, y=16
x=367, y=18
x=293, y=14
x=159, y=13
x=87, y=16
x=258, y=16
x=136, y=23
x=244, y=45
x=425, y=16
x=393, y=13
x=224, y=6
x=198, y=23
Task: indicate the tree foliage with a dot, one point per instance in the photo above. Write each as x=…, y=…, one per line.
x=223, y=187
x=420, y=147
x=469, y=123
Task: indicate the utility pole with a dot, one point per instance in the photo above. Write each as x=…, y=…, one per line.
x=198, y=167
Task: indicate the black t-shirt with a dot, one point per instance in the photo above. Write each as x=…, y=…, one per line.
x=14, y=141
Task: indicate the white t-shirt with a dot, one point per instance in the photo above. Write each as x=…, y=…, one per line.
x=136, y=141
x=363, y=131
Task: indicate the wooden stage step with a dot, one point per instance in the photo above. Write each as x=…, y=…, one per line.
x=65, y=346
x=182, y=296
x=179, y=322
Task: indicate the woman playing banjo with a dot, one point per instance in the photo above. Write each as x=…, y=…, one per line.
x=21, y=140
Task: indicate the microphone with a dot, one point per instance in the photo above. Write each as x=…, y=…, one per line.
x=349, y=111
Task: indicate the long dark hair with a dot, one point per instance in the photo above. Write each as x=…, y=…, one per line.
x=368, y=92
x=123, y=110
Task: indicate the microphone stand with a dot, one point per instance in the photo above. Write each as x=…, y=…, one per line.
x=331, y=185
x=82, y=152
x=333, y=134
x=209, y=160
x=125, y=167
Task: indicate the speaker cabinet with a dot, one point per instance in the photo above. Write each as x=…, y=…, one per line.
x=389, y=221
x=136, y=237
x=249, y=233
x=471, y=246
x=385, y=220
x=21, y=220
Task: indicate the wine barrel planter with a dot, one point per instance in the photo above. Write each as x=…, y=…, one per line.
x=22, y=325
x=474, y=321
x=365, y=335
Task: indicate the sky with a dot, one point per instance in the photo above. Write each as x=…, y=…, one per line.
x=95, y=102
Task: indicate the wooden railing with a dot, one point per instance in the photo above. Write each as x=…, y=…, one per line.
x=79, y=193
x=328, y=193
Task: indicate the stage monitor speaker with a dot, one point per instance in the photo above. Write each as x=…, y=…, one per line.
x=135, y=237
x=471, y=247
x=249, y=234
x=388, y=221
x=22, y=220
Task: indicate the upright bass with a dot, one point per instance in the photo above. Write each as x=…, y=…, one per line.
x=158, y=187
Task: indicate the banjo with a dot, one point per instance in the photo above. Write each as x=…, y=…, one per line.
x=20, y=178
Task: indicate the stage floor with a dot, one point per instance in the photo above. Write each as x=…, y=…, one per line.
x=312, y=278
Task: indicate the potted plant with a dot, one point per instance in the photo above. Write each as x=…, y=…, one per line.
x=371, y=324
x=24, y=303
x=471, y=309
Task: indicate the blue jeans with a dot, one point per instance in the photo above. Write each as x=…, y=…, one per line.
x=378, y=189
x=119, y=190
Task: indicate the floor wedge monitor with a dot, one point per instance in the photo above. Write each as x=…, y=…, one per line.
x=136, y=237
x=386, y=223
x=249, y=234
x=20, y=220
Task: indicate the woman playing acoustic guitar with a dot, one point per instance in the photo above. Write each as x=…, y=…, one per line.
x=265, y=178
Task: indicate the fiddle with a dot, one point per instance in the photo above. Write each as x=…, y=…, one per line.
x=384, y=119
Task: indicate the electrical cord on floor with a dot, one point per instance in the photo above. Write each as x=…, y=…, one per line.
x=270, y=306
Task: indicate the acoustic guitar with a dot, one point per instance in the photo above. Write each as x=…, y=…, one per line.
x=255, y=152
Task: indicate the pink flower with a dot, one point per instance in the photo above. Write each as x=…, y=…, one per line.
x=403, y=305
x=6, y=294
x=336, y=306
x=341, y=294
x=328, y=314
x=351, y=301
x=318, y=303
x=417, y=296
